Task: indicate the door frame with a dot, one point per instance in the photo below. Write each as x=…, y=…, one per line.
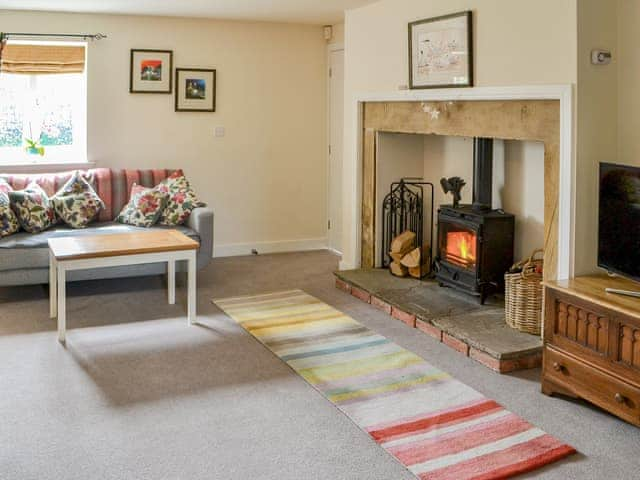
x=331, y=48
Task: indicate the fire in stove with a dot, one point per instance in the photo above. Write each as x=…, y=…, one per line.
x=461, y=248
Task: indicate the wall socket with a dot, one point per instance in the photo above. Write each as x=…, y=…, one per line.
x=219, y=132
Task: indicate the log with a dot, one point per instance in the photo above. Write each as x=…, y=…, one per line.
x=403, y=242
x=416, y=273
x=398, y=270
x=398, y=256
x=415, y=258
x=412, y=259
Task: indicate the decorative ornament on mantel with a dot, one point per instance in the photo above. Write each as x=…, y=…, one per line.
x=435, y=109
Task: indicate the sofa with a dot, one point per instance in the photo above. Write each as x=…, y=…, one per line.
x=24, y=257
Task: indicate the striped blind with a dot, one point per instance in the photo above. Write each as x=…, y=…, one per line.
x=42, y=59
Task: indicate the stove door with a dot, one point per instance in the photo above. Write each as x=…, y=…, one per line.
x=458, y=244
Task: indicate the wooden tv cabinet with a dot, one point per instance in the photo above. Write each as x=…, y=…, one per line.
x=592, y=344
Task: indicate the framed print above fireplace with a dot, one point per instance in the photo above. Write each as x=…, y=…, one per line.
x=195, y=90
x=151, y=71
x=441, y=52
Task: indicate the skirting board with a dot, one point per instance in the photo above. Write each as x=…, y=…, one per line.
x=239, y=249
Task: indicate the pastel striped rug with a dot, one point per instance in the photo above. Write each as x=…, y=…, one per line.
x=434, y=425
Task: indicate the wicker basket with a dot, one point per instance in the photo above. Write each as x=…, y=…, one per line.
x=523, y=295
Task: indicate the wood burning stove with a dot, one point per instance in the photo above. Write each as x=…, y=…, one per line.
x=475, y=242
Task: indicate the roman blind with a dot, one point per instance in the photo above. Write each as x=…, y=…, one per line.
x=42, y=59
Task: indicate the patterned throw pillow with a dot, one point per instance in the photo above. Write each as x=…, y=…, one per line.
x=8, y=220
x=182, y=199
x=144, y=208
x=77, y=203
x=33, y=208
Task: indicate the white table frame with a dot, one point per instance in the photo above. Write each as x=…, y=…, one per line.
x=59, y=267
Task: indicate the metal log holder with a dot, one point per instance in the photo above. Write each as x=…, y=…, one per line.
x=403, y=209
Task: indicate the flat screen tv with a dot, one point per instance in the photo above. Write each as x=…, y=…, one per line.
x=619, y=220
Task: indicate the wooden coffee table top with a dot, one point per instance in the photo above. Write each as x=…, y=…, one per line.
x=118, y=244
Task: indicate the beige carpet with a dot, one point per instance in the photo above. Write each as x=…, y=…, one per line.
x=138, y=394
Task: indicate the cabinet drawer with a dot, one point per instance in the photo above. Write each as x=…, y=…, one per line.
x=592, y=384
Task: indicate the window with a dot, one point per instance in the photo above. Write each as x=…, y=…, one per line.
x=48, y=109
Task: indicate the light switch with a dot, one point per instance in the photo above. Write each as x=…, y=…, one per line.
x=219, y=131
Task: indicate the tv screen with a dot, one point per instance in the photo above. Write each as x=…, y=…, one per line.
x=619, y=220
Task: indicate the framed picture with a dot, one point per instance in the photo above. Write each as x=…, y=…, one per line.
x=441, y=52
x=151, y=71
x=195, y=90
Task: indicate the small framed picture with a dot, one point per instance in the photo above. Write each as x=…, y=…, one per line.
x=195, y=90
x=441, y=52
x=151, y=71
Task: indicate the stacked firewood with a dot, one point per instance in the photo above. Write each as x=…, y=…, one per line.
x=407, y=258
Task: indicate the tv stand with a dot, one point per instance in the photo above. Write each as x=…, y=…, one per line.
x=592, y=343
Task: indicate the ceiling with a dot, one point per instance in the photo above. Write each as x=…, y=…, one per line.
x=319, y=12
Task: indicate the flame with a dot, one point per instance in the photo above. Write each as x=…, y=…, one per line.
x=461, y=247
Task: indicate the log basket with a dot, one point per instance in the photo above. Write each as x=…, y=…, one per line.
x=523, y=294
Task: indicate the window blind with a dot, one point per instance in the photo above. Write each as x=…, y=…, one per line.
x=42, y=59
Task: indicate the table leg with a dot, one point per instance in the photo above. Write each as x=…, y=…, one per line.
x=171, y=281
x=62, y=307
x=191, y=288
x=53, y=290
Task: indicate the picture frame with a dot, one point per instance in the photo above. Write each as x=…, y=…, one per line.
x=195, y=90
x=441, y=51
x=151, y=71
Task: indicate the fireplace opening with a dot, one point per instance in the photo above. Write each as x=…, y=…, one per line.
x=475, y=242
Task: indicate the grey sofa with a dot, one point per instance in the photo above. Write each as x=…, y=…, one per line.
x=24, y=257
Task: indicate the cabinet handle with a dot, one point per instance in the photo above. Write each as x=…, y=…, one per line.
x=620, y=398
x=557, y=367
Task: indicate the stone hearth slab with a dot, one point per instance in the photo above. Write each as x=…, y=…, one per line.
x=479, y=331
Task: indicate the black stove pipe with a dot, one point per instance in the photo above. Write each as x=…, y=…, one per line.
x=482, y=174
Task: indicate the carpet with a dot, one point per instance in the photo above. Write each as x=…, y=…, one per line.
x=434, y=425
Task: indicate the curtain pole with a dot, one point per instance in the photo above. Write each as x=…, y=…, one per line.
x=90, y=36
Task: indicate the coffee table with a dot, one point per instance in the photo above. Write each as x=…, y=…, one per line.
x=118, y=249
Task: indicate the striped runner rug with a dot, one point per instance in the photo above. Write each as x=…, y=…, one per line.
x=434, y=425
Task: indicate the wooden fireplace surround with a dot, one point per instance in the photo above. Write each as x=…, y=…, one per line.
x=537, y=120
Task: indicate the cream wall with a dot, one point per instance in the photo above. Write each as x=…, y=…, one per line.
x=517, y=42
x=338, y=34
x=628, y=60
x=597, y=120
x=266, y=178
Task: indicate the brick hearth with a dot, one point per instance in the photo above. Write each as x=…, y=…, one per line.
x=476, y=331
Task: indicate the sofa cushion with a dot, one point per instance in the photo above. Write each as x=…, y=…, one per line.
x=144, y=208
x=33, y=208
x=26, y=250
x=182, y=199
x=76, y=203
x=8, y=220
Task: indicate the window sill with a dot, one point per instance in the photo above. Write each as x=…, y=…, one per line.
x=44, y=167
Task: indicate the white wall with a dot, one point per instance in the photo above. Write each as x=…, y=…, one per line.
x=266, y=178
x=517, y=42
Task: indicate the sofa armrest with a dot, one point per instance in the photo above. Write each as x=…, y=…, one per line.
x=201, y=220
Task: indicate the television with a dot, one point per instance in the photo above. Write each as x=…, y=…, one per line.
x=619, y=220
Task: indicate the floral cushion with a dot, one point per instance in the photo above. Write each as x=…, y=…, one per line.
x=182, y=199
x=32, y=208
x=8, y=220
x=144, y=208
x=77, y=203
